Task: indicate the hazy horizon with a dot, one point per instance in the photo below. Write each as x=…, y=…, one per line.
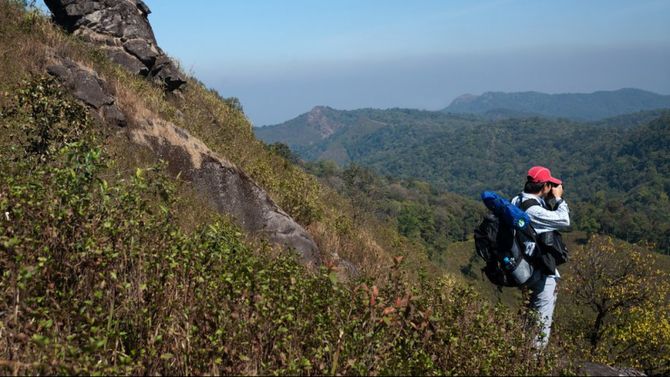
x=282, y=59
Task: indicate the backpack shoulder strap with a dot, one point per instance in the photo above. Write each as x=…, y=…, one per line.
x=529, y=234
x=528, y=203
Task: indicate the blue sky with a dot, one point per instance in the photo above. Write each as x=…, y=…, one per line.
x=282, y=57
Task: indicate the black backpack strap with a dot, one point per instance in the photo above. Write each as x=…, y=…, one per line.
x=525, y=204
x=529, y=234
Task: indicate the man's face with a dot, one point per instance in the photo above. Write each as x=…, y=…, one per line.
x=545, y=190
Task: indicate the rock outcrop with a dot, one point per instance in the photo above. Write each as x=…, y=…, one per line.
x=225, y=186
x=122, y=29
x=594, y=369
x=85, y=85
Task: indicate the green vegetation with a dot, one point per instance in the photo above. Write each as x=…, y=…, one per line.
x=414, y=208
x=329, y=134
x=618, y=305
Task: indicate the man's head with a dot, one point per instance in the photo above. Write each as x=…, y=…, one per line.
x=540, y=182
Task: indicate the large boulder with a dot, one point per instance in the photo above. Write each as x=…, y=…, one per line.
x=122, y=29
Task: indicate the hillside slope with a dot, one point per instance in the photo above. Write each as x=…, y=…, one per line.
x=122, y=32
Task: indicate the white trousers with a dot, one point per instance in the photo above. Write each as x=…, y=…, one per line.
x=543, y=301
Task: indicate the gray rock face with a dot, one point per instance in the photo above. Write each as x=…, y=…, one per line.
x=225, y=186
x=122, y=29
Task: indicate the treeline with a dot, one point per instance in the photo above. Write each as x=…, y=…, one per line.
x=576, y=106
x=618, y=179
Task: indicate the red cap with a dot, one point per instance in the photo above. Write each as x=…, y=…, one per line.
x=540, y=174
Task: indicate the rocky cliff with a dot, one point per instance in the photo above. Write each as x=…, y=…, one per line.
x=121, y=28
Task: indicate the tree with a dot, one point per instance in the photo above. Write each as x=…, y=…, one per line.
x=629, y=302
x=284, y=151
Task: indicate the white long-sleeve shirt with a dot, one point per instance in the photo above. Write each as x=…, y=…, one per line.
x=543, y=219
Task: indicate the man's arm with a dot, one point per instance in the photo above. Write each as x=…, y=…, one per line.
x=542, y=218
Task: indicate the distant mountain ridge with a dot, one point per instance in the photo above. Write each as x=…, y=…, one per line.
x=576, y=106
x=329, y=134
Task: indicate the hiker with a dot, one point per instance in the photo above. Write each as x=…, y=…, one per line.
x=541, y=188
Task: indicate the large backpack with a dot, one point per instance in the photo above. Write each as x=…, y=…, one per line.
x=499, y=240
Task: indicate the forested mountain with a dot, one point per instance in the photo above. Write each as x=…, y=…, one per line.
x=326, y=133
x=576, y=106
x=615, y=171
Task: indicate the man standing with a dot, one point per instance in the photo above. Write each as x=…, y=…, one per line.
x=541, y=186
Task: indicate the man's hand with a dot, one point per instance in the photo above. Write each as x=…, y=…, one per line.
x=557, y=191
